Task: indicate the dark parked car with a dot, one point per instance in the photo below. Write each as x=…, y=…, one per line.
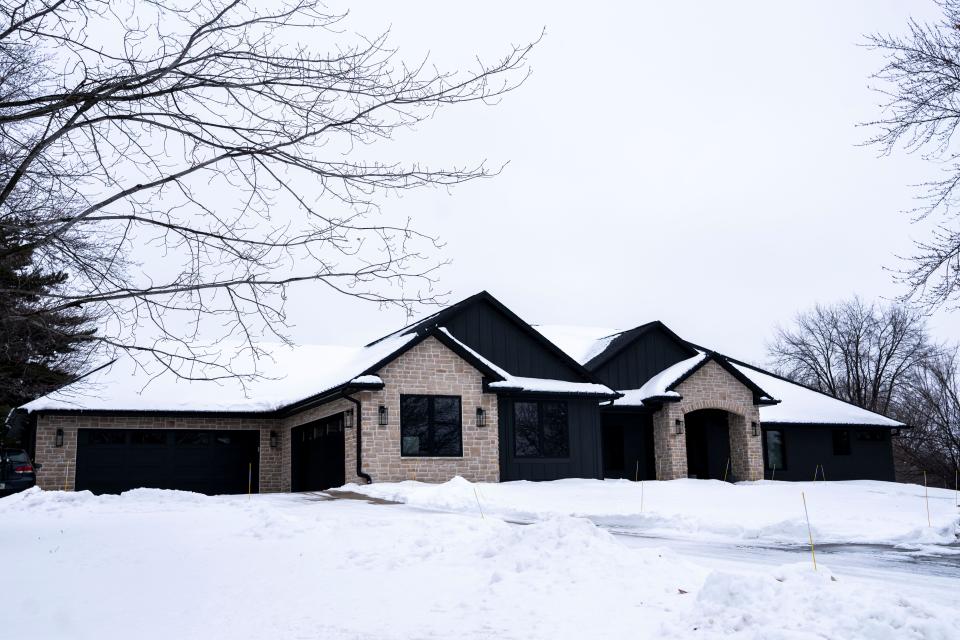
x=16, y=471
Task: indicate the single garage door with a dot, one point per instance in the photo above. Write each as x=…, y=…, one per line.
x=210, y=462
x=317, y=454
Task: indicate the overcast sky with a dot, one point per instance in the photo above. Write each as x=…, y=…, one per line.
x=697, y=163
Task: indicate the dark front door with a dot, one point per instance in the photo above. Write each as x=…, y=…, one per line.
x=628, y=446
x=317, y=454
x=708, y=444
x=210, y=462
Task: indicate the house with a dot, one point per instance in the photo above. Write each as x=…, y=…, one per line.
x=471, y=390
x=685, y=410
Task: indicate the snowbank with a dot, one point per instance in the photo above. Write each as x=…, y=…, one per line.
x=864, y=512
x=167, y=564
x=792, y=601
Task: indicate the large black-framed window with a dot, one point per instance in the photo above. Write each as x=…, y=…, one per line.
x=540, y=429
x=776, y=449
x=431, y=426
x=841, y=442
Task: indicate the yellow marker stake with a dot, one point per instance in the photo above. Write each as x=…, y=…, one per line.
x=813, y=552
x=477, y=496
x=926, y=497
x=636, y=474
x=725, y=469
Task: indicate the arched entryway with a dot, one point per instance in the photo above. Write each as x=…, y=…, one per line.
x=708, y=444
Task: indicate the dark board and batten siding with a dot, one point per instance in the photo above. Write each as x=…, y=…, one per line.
x=806, y=446
x=586, y=456
x=650, y=354
x=487, y=331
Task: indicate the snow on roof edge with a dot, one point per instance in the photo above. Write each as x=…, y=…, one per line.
x=210, y=397
x=658, y=385
x=800, y=404
x=521, y=383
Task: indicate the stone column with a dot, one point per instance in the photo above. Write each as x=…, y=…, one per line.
x=670, y=448
x=746, y=449
x=59, y=464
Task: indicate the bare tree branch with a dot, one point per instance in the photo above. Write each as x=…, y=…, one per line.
x=921, y=84
x=188, y=169
x=857, y=352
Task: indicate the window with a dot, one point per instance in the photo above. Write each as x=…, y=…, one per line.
x=841, y=442
x=776, y=459
x=192, y=438
x=148, y=437
x=430, y=426
x=107, y=436
x=15, y=455
x=873, y=435
x=540, y=430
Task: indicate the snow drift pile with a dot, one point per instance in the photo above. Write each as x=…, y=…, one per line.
x=863, y=512
x=163, y=564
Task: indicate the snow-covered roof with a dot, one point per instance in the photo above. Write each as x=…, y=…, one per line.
x=290, y=374
x=801, y=405
x=534, y=385
x=659, y=385
x=545, y=385
x=287, y=375
x=798, y=404
x=580, y=343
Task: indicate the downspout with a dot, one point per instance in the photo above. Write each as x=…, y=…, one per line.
x=358, y=425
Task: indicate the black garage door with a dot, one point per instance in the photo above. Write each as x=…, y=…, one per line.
x=317, y=454
x=210, y=462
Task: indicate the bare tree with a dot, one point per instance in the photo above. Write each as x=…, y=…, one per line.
x=921, y=81
x=931, y=404
x=185, y=163
x=861, y=353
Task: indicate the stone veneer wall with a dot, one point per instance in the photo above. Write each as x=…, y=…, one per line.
x=427, y=368
x=711, y=387
x=430, y=368
x=60, y=463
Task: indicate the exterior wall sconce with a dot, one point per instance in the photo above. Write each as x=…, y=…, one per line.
x=754, y=428
x=481, y=417
x=678, y=427
x=58, y=439
x=274, y=439
x=382, y=416
x=348, y=419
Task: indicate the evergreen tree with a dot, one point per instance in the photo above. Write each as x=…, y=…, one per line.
x=40, y=349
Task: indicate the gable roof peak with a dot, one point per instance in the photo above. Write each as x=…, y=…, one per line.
x=620, y=341
x=439, y=319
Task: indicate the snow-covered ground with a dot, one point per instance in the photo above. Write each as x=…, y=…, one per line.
x=769, y=512
x=163, y=564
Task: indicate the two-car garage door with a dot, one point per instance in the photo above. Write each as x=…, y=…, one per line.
x=210, y=462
